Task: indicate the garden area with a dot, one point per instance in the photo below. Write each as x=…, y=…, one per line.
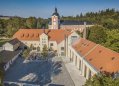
x=36, y=55
x=2, y=41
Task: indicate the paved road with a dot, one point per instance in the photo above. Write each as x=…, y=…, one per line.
x=75, y=74
x=52, y=73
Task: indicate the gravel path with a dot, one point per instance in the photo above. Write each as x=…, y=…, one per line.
x=51, y=73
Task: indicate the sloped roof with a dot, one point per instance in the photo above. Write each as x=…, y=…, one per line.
x=73, y=22
x=104, y=60
x=53, y=34
x=98, y=56
x=13, y=41
x=8, y=55
x=83, y=50
x=62, y=36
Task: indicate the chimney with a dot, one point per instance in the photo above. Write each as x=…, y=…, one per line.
x=82, y=42
x=43, y=30
x=84, y=33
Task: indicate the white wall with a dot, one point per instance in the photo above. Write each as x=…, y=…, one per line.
x=8, y=46
x=11, y=61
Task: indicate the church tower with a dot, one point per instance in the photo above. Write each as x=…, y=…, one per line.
x=55, y=20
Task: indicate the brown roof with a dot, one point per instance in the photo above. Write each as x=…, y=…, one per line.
x=13, y=41
x=62, y=36
x=83, y=50
x=24, y=34
x=99, y=56
x=104, y=60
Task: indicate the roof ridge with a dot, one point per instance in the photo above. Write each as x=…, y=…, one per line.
x=91, y=50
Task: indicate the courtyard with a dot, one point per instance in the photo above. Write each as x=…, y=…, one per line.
x=51, y=73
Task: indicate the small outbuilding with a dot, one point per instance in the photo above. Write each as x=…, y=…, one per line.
x=8, y=57
x=11, y=45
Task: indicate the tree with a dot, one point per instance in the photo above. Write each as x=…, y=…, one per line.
x=40, y=23
x=101, y=80
x=78, y=32
x=112, y=40
x=14, y=24
x=31, y=22
x=2, y=73
x=97, y=34
x=1, y=27
x=31, y=47
x=25, y=53
x=44, y=51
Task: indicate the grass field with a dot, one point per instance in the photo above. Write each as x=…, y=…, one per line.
x=2, y=41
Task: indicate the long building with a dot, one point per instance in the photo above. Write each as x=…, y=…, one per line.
x=55, y=39
x=56, y=23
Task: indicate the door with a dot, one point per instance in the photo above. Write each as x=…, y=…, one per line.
x=62, y=53
x=38, y=48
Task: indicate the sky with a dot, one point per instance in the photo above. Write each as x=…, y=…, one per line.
x=45, y=8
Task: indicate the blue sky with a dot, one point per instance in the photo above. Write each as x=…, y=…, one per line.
x=45, y=8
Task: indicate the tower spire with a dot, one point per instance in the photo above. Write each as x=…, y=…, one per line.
x=55, y=9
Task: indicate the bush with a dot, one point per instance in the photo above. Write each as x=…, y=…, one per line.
x=44, y=51
x=25, y=53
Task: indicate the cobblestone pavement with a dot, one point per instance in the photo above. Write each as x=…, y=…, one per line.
x=51, y=73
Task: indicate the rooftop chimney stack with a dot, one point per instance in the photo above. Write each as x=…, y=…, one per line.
x=43, y=29
x=84, y=33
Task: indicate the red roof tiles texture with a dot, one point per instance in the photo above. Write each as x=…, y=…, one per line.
x=25, y=34
x=102, y=59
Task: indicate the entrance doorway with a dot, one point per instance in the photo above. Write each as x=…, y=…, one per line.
x=62, y=53
x=25, y=47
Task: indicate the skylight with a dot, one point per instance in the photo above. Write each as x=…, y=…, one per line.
x=88, y=45
x=101, y=68
x=100, y=51
x=112, y=58
x=90, y=59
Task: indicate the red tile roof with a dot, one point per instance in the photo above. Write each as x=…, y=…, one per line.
x=62, y=36
x=104, y=59
x=83, y=50
x=98, y=60
x=25, y=34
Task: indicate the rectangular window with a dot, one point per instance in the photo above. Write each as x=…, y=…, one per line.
x=34, y=48
x=51, y=44
x=73, y=36
x=62, y=48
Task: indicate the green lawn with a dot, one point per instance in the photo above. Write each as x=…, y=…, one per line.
x=2, y=41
